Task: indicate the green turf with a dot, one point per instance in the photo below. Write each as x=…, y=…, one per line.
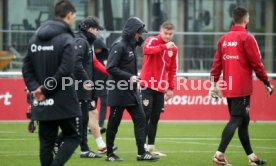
x=188, y=144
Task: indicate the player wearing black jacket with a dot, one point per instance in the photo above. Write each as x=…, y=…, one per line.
x=50, y=58
x=84, y=72
x=122, y=66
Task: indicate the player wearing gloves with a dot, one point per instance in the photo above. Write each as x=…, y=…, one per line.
x=237, y=56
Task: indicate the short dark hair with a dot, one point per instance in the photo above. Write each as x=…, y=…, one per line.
x=239, y=14
x=63, y=7
x=167, y=25
x=90, y=21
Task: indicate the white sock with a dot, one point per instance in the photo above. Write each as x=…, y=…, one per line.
x=150, y=147
x=218, y=153
x=146, y=147
x=100, y=142
x=251, y=156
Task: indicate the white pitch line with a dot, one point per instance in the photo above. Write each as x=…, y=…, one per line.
x=17, y=139
x=128, y=138
x=7, y=132
x=19, y=152
x=203, y=139
x=214, y=139
x=129, y=152
x=199, y=143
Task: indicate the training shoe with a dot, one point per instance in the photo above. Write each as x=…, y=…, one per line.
x=104, y=149
x=156, y=152
x=113, y=157
x=90, y=154
x=147, y=156
x=102, y=130
x=221, y=160
x=256, y=161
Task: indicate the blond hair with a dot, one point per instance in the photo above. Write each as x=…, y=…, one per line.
x=167, y=25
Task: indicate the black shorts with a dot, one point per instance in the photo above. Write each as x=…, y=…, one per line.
x=152, y=101
x=239, y=106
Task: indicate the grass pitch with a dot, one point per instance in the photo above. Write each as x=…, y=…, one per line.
x=186, y=144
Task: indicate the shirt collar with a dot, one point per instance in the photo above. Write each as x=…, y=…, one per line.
x=238, y=28
x=160, y=39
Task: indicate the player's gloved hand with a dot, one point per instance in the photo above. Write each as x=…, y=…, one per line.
x=269, y=87
x=214, y=91
x=31, y=127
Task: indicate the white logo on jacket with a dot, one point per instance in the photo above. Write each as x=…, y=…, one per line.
x=230, y=57
x=47, y=102
x=224, y=44
x=229, y=44
x=35, y=48
x=130, y=54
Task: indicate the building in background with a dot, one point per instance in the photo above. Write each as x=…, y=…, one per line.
x=199, y=24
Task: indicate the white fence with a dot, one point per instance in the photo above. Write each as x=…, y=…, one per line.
x=19, y=74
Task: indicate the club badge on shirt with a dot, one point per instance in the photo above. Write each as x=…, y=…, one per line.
x=170, y=53
x=93, y=103
x=146, y=102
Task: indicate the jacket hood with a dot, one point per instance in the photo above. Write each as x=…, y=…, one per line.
x=98, y=43
x=52, y=28
x=133, y=25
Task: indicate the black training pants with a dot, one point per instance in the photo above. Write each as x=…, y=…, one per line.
x=153, y=105
x=84, y=124
x=48, y=131
x=239, y=111
x=115, y=117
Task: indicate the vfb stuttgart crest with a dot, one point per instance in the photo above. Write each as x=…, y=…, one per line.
x=146, y=102
x=170, y=53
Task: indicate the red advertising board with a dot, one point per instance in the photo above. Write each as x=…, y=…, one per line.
x=13, y=101
x=196, y=105
x=189, y=103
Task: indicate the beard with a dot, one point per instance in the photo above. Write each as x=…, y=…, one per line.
x=140, y=41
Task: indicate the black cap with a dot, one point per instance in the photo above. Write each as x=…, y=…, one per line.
x=90, y=22
x=142, y=29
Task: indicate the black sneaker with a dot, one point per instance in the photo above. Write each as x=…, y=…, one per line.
x=90, y=154
x=256, y=161
x=102, y=130
x=113, y=157
x=104, y=149
x=147, y=157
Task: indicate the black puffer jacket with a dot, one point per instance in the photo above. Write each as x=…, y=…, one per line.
x=122, y=64
x=51, y=53
x=84, y=65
